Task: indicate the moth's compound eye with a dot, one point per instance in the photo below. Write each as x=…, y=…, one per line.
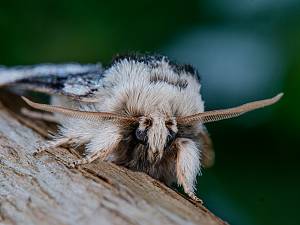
x=141, y=136
x=171, y=137
x=172, y=128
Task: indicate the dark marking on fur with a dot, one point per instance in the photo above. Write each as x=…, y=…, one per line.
x=154, y=60
x=181, y=83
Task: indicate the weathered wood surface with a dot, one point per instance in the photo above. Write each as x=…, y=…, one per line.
x=42, y=190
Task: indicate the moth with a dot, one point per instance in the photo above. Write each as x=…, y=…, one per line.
x=143, y=112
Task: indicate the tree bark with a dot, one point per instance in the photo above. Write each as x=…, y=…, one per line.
x=43, y=190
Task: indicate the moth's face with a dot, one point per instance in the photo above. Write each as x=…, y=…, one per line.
x=157, y=133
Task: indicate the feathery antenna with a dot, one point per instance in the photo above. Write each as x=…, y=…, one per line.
x=85, y=115
x=215, y=115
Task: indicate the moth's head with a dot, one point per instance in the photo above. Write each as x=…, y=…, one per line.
x=156, y=132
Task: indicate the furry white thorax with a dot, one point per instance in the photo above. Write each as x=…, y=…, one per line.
x=128, y=88
x=129, y=83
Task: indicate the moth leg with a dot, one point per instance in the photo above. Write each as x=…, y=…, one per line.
x=52, y=144
x=188, y=166
x=86, y=160
x=39, y=115
x=100, y=147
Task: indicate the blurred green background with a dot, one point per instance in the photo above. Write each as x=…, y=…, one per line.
x=244, y=50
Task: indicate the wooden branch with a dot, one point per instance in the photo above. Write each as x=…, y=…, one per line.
x=42, y=190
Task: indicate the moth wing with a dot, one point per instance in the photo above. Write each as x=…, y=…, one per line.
x=77, y=81
x=208, y=153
